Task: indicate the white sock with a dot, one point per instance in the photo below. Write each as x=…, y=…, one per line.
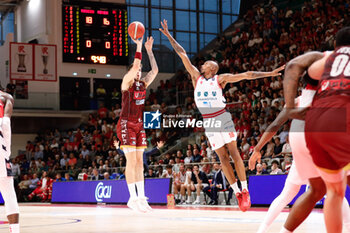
x=189, y=199
x=244, y=185
x=183, y=197
x=132, y=190
x=198, y=198
x=284, y=230
x=235, y=188
x=140, y=188
x=14, y=228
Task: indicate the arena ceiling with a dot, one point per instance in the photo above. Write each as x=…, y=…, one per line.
x=7, y=5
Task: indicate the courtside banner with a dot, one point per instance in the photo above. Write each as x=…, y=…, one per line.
x=264, y=189
x=108, y=191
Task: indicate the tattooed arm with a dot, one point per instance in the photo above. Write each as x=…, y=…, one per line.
x=232, y=78
x=154, y=71
x=191, y=69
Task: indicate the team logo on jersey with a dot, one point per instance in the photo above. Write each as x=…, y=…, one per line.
x=214, y=93
x=198, y=93
x=205, y=93
x=138, y=95
x=151, y=120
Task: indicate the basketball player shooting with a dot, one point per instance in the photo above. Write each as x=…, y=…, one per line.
x=130, y=129
x=6, y=180
x=213, y=106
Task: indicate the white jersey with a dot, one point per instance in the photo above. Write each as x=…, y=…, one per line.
x=211, y=103
x=208, y=95
x=303, y=167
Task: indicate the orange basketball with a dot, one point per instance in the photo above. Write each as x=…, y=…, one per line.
x=136, y=30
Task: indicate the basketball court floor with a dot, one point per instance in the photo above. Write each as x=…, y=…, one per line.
x=74, y=218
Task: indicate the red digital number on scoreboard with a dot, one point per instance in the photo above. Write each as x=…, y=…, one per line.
x=88, y=44
x=106, y=22
x=88, y=19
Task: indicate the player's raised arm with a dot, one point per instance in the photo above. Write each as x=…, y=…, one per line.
x=154, y=71
x=294, y=69
x=266, y=137
x=180, y=51
x=129, y=77
x=249, y=75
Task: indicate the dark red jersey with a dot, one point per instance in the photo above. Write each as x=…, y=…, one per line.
x=133, y=101
x=336, y=76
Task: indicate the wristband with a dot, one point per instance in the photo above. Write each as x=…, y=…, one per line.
x=138, y=55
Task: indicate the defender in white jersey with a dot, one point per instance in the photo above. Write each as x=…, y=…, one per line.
x=7, y=189
x=211, y=103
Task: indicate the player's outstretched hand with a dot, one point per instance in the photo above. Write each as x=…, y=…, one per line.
x=256, y=156
x=138, y=41
x=276, y=72
x=164, y=28
x=149, y=43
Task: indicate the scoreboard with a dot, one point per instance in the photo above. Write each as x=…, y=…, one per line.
x=94, y=32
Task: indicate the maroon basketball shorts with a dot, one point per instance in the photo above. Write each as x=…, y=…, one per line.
x=327, y=132
x=131, y=134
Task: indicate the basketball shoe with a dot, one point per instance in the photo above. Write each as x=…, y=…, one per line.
x=143, y=204
x=243, y=200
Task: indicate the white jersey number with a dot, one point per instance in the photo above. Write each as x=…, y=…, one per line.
x=341, y=64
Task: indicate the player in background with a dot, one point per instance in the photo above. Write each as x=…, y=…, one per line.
x=303, y=170
x=130, y=129
x=6, y=180
x=327, y=122
x=211, y=103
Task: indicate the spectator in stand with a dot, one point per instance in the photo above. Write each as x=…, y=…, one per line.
x=286, y=149
x=72, y=160
x=284, y=134
x=101, y=93
x=155, y=106
x=23, y=188
x=260, y=170
x=38, y=153
x=168, y=172
x=64, y=161
x=179, y=180
x=278, y=148
x=96, y=175
x=270, y=147
x=150, y=173
x=188, y=158
x=102, y=111
x=16, y=171
x=106, y=176
x=218, y=183
x=275, y=169
x=196, y=157
x=198, y=181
